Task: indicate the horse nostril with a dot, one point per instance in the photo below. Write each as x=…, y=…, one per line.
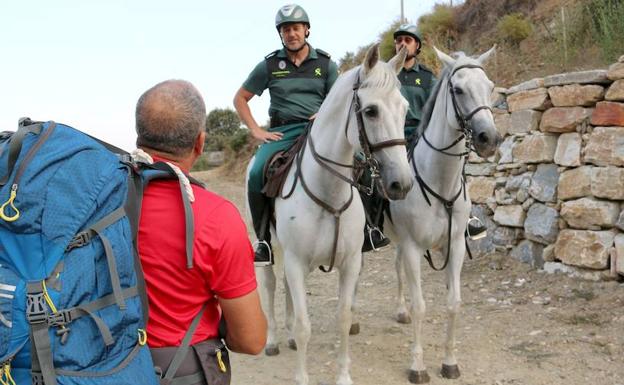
x=483, y=137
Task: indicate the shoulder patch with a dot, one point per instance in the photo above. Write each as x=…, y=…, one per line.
x=272, y=54
x=320, y=51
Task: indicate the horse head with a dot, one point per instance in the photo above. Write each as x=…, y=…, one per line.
x=380, y=111
x=470, y=91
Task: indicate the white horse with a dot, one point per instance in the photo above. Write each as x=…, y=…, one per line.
x=321, y=223
x=434, y=214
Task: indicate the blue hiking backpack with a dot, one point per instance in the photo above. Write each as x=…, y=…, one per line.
x=73, y=306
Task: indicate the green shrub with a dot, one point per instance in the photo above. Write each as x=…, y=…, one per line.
x=514, y=28
x=439, y=27
x=607, y=26
x=238, y=140
x=201, y=164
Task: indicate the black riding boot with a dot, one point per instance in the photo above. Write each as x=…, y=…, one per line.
x=373, y=206
x=260, y=208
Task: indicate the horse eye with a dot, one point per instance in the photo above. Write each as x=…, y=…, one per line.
x=371, y=112
x=457, y=91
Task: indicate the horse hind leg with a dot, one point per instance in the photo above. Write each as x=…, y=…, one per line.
x=450, y=369
x=403, y=315
x=266, y=278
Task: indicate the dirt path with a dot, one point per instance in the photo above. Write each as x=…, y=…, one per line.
x=517, y=325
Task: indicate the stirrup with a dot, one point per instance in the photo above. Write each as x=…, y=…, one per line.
x=268, y=246
x=372, y=230
x=480, y=224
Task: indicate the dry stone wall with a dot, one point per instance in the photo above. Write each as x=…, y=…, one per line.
x=554, y=192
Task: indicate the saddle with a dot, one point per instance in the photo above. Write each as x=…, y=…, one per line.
x=277, y=167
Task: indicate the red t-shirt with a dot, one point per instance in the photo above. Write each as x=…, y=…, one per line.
x=222, y=261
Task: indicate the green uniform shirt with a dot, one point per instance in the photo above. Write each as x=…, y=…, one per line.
x=296, y=92
x=416, y=85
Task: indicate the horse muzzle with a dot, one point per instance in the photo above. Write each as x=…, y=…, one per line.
x=486, y=142
x=396, y=187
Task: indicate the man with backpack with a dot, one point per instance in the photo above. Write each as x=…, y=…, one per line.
x=170, y=121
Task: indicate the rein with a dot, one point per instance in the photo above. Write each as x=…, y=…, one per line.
x=466, y=133
x=369, y=161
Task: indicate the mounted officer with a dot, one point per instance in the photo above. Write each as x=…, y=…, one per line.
x=299, y=78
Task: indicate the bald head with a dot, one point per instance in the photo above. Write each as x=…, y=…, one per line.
x=169, y=117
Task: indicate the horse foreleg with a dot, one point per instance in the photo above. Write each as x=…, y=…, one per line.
x=449, y=364
x=295, y=278
x=411, y=262
x=403, y=315
x=348, y=282
x=266, y=279
x=290, y=317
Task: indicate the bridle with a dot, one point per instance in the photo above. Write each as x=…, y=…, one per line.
x=464, y=121
x=369, y=161
x=465, y=129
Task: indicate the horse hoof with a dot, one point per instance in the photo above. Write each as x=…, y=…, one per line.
x=404, y=318
x=418, y=376
x=271, y=350
x=355, y=329
x=450, y=371
x=292, y=344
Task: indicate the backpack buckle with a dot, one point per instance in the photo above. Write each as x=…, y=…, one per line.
x=60, y=318
x=79, y=240
x=36, y=308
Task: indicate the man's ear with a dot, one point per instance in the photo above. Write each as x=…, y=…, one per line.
x=199, y=143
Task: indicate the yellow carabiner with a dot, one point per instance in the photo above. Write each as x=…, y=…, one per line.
x=142, y=337
x=220, y=361
x=10, y=202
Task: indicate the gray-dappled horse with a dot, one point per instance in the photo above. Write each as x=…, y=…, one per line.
x=320, y=223
x=434, y=214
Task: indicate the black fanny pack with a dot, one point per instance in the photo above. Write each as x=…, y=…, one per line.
x=412, y=123
x=206, y=363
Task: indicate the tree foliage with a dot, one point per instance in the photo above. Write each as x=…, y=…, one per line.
x=222, y=121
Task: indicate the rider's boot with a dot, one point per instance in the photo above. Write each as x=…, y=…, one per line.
x=374, y=239
x=259, y=206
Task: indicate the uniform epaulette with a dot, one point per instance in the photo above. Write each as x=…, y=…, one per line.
x=318, y=50
x=272, y=54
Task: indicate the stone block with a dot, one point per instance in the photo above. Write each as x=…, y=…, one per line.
x=524, y=121
x=575, y=183
x=590, y=213
x=564, y=119
x=506, y=236
x=620, y=221
x=541, y=224
x=605, y=146
x=526, y=86
x=544, y=183
x=582, y=248
x=512, y=216
x=480, y=169
x=616, y=71
x=619, y=253
x=505, y=150
x=576, y=95
x=503, y=123
x=581, y=77
x=536, y=99
x=569, y=150
x=480, y=188
x=537, y=148
x=498, y=97
x=616, y=91
x=608, y=182
x=548, y=255
x=529, y=252
x=608, y=114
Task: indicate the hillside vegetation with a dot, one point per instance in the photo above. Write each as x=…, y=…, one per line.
x=534, y=38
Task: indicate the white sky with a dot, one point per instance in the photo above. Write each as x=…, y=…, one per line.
x=86, y=62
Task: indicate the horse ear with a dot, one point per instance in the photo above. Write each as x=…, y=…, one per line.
x=486, y=56
x=372, y=57
x=398, y=60
x=444, y=58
